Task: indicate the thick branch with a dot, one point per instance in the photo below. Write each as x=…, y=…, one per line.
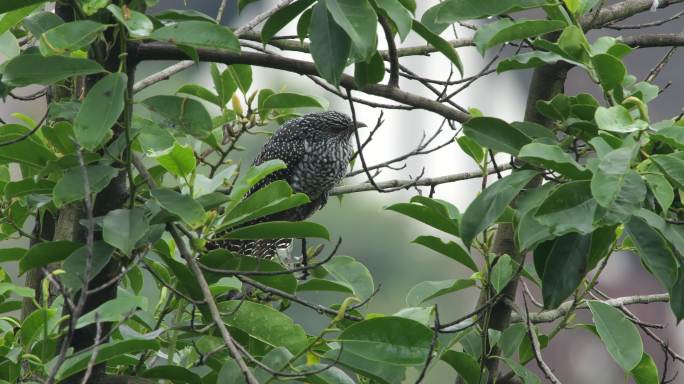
x=656, y=40
x=160, y=51
x=555, y=314
x=621, y=11
x=424, y=182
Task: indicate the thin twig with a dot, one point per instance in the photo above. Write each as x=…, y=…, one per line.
x=536, y=348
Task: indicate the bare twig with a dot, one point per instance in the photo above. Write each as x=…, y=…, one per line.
x=431, y=351
x=536, y=347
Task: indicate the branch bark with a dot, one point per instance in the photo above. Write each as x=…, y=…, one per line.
x=161, y=51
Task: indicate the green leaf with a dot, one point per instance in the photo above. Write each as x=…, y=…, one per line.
x=617, y=119
x=10, y=5
x=427, y=214
x=617, y=187
x=491, y=203
x=672, y=166
x=555, y=158
x=471, y=148
x=45, y=253
x=225, y=260
x=609, y=69
x=522, y=372
x=100, y=110
x=400, y=16
x=36, y=69
x=68, y=37
x=16, y=15
x=224, y=83
x=654, y=251
x=646, y=372
x=35, y=323
x=315, y=284
x=495, y=134
x=279, y=230
x=201, y=92
x=182, y=113
x=467, y=367
x=9, y=46
x=503, y=272
x=179, y=161
x=137, y=23
x=17, y=290
x=90, y=7
x=184, y=15
x=281, y=18
x=369, y=73
x=353, y=274
x=330, y=45
x=290, y=100
x=459, y=10
x=440, y=44
x=27, y=187
x=677, y=296
x=172, y=373
x=198, y=34
x=114, y=310
x=393, y=340
x=275, y=197
x=11, y=254
x=358, y=19
x=264, y=323
x=153, y=139
x=183, y=206
x=511, y=338
x=619, y=335
x=570, y=208
x=531, y=60
x=39, y=22
x=565, y=267
x=379, y=372
x=254, y=175
x=28, y=152
x=123, y=228
x=427, y=290
x=106, y=352
x=672, y=135
x=74, y=265
x=70, y=187
x=505, y=30
x=449, y=249
x=303, y=25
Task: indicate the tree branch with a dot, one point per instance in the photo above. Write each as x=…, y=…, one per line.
x=621, y=11
x=425, y=182
x=655, y=40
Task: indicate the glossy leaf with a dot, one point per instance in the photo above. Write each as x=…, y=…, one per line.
x=28, y=186
x=137, y=23
x=565, y=267
x=100, y=110
x=123, y=228
x=75, y=265
x=30, y=69
x=502, y=272
x=553, y=157
x=448, y=249
x=264, y=323
x=654, y=251
x=506, y=30
x=225, y=260
x=467, y=367
x=672, y=166
x=619, y=335
x=10, y=5
x=570, y=208
x=495, y=134
x=290, y=100
x=181, y=205
x=609, y=69
x=114, y=310
x=617, y=119
x=491, y=203
x=179, y=161
x=181, y=113
x=330, y=45
x=393, y=340
x=68, y=37
x=646, y=372
x=282, y=17
x=353, y=274
x=198, y=34
x=106, y=352
x=428, y=215
x=398, y=13
x=358, y=19
x=459, y=10
x=71, y=187
x=440, y=44
x=45, y=253
x=427, y=290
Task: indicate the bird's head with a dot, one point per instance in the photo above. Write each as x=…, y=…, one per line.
x=330, y=123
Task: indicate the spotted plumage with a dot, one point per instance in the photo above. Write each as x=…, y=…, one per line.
x=316, y=149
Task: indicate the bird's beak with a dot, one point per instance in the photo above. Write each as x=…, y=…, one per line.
x=360, y=125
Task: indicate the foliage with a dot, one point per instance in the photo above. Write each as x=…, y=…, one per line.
x=146, y=184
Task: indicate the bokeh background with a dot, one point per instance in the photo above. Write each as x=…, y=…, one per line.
x=382, y=239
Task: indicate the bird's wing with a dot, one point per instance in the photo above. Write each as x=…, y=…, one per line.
x=287, y=145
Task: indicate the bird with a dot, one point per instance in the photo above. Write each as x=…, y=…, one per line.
x=316, y=149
